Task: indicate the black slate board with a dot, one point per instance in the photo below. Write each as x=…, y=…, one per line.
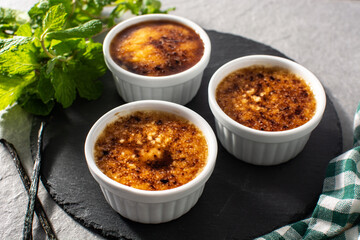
x=240, y=201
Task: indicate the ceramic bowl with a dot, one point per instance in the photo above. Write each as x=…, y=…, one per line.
x=151, y=206
x=264, y=147
x=179, y=88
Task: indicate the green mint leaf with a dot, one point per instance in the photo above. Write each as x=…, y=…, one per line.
x=7, y=15
x=151, y=7
x=65, y=47
x=19, y=62
x=11, y=88
x=50, y=66
x=44, y=87
x=38, y=11
x=154, y=6
x=93, y=57
x=87, y=74
x=68, y=4
x=94, y=7
x=9, y=43
x=10, y=20
x=13, y=16
x=32, y=104
x=134, y=6
x=55, y=18
x=85, y=30
x=64, y=86
x=117, y=12
x=88, y=86
x=140, y=7
x=43, y=5
x=38, y=97
x=24, y=30
x=37, y=36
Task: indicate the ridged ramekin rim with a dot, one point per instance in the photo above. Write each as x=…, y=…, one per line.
x=144, y=195
x=266, y=136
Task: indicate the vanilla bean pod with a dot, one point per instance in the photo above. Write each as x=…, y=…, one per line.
x=39, y=209
x=27, y=232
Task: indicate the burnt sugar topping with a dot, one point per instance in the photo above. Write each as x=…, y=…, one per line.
x=151, y=150
x=266, y=98
x=157, y=48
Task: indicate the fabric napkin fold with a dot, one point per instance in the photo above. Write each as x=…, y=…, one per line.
x=337, y=212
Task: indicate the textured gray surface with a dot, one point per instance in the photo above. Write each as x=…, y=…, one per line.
x=321, y=35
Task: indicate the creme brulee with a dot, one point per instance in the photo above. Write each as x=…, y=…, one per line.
x=157, y=48
x=266, y=98
x=151, y=150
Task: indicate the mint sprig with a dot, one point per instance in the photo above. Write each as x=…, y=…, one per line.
x=48, y=57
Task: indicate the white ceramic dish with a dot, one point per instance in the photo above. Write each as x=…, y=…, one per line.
x=151, y=206
x=263, y=147
x=179, y=88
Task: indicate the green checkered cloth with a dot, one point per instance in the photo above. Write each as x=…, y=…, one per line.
x=337, y=213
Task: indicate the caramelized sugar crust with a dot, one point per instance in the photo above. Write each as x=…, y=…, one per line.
x=266, y=98
x=151, y=150
x=157, y=48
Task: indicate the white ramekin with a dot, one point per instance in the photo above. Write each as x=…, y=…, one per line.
x=264, y=147
x=151, y=206
x=179, y=88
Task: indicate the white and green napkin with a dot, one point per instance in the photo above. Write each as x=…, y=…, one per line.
x=337, y=213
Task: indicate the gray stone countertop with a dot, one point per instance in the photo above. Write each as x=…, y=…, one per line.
x=323, y=36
